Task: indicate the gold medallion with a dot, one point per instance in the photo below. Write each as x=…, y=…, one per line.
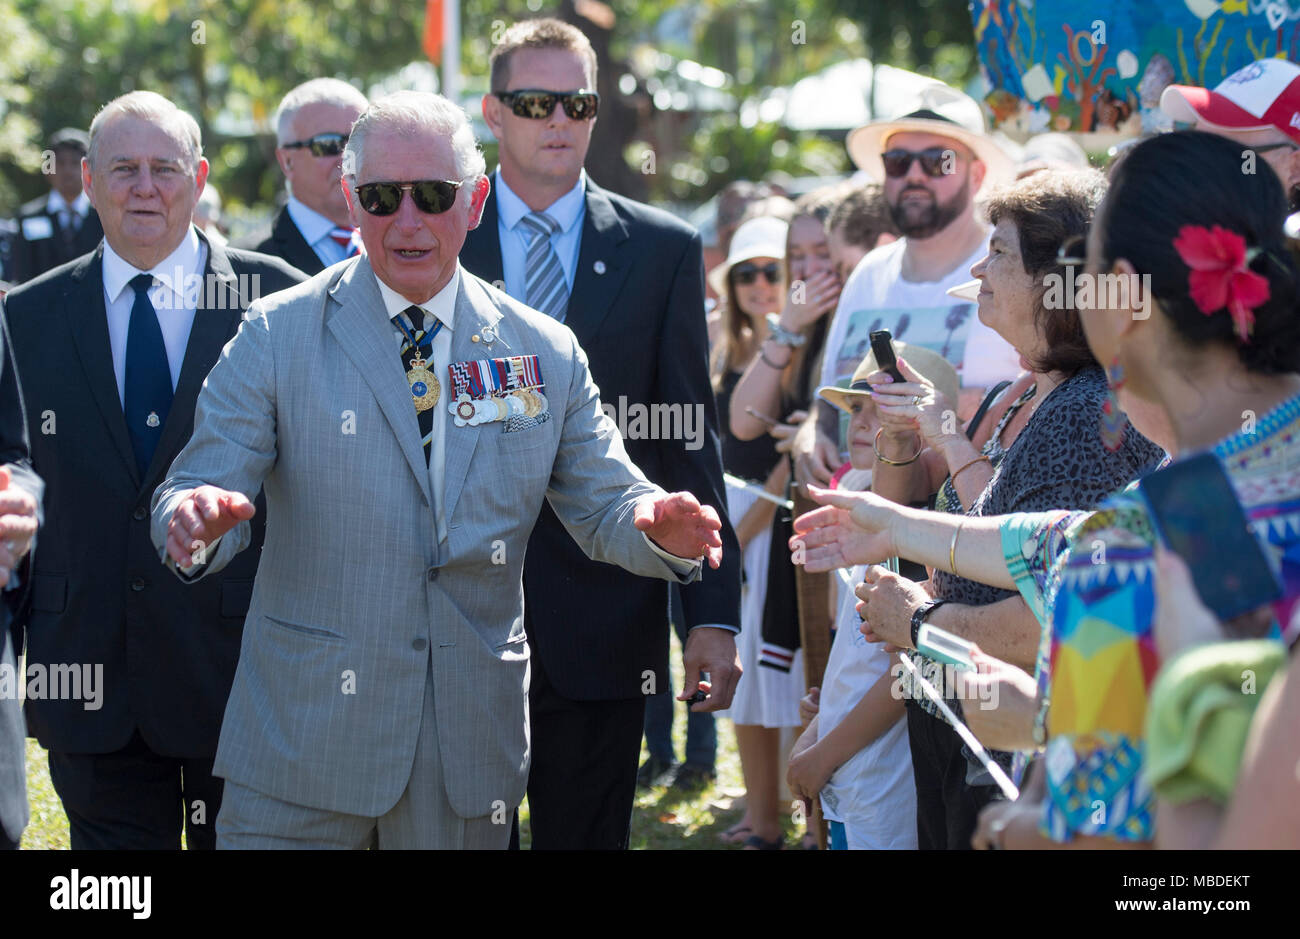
x=424, y=384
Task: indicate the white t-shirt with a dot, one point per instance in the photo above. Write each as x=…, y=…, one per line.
x=919, y=313
x=873, y=792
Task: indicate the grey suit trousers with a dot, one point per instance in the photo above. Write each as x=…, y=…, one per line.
x=421, y=819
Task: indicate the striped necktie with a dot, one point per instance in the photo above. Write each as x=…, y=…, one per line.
x=343, y=237
x=545, y=288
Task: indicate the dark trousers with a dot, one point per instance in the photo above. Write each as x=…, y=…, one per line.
x=947, y=807
x=660, y=709
x=135, y=799
x=583, y=777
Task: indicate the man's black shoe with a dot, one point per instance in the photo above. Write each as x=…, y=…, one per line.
x=693, y=776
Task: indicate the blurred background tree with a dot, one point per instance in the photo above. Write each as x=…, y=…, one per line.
x=229, y=61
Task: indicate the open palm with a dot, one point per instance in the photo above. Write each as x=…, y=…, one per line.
x=849, y=529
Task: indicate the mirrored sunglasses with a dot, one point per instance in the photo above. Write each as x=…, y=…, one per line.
x=431, y=196
x=746, y=274
x=934, y=161
x=321, y=145
x=538, y=105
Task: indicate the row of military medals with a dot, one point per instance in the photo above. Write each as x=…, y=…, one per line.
x=502, y=389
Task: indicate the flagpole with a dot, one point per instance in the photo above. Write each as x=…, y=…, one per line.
x=451, y=50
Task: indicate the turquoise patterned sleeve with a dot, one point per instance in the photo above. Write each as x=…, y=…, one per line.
x=1032, y=544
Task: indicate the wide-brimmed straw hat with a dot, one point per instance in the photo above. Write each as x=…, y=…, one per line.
x=939, y=109
x=933, y=367
x=762, y=237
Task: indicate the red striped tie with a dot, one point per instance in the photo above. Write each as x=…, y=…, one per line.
x=343, y=237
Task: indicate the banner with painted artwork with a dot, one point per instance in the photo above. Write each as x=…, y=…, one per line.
x=1098, y=68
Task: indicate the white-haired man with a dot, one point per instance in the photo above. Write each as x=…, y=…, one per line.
x=313, y=230
x=113, y=348
x=407, y=421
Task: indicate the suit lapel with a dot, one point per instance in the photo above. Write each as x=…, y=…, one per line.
x=357, y=322
x=474, y=310
x=602, y=266
x=293, y=246
x=87, y=320
x=481, y=254
x=215, y=320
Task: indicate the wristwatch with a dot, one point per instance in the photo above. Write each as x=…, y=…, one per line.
x=921, y=612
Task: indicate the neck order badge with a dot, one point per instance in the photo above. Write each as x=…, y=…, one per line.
x=424, y=384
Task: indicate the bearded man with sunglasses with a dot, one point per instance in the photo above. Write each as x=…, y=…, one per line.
x=313, y=229
x=934, y=161
x=627, y=279
x=407, y=422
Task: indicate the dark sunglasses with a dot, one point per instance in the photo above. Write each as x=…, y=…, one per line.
x=935, y=161
x=321, y=145
x=746, y=274
x=538, y=105
x=431, y=196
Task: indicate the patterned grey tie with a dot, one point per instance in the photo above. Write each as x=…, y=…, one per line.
x=544, y=286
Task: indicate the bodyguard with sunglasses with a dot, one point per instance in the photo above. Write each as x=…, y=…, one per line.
x=627, y=279
x=313, y=229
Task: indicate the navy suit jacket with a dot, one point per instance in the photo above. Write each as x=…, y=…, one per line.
x=98, y=594
x=637, y=308
x=285, y=242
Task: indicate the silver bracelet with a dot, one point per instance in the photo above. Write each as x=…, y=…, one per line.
x=782, y=336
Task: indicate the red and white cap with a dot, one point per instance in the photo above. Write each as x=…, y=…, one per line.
x=1264, y=94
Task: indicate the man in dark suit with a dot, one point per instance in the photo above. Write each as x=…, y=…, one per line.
x=115, y=346
x=20, y=500
x=313, y=229
x=62, y=224
x=627, y=280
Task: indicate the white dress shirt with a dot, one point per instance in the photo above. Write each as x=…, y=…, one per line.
x=178, y=285
x=57, y=205
x=441, y=305
x=315, y=230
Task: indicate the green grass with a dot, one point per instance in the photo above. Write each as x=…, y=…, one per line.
x=661, y=818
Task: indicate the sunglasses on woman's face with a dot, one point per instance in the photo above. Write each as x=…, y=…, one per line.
x=746, y=274
x=538, y=105
x=321, y=145
x=431, y=196
x=935, y=161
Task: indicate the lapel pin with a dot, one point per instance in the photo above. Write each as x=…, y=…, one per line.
x=152, y=419
x=599, y=267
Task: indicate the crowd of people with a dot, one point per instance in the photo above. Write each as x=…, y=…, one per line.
x=400, y=592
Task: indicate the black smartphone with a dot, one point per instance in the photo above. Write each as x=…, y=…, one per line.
x=882, y=346
x=1197, y=515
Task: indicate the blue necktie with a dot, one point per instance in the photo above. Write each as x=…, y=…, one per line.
x=545, y=288
x=147, y=392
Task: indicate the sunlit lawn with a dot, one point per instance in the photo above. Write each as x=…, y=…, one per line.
x=662, y=818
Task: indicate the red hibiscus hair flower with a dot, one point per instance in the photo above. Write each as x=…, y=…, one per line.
x=1219, y=276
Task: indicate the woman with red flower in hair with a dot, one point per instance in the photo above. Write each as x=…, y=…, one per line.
x=1211, y=351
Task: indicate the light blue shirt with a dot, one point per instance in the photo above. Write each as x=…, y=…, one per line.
x=315, y=230
x=568, y=211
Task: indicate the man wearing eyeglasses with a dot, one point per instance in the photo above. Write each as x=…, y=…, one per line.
x=113, y=348
x=407, y=421
x=627, y=279
x=313, y=229
x=1257, y=106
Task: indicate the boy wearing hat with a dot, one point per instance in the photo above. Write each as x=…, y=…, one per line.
x=855, y=753
x=61, y=225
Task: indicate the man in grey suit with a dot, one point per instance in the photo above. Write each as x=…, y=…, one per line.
x=381, y=694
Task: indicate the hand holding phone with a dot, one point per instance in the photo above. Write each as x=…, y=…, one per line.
x=943, y=646
x=882, y=346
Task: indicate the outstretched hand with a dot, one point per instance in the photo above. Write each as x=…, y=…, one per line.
x=202, y=517
x=850, y=528
x=677, y=523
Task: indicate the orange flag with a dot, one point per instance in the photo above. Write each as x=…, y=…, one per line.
x=433, y=30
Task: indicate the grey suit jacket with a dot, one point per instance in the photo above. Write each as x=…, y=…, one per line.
x=354, y=597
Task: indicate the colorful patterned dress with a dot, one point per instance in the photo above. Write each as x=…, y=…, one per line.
x=1090, y=578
